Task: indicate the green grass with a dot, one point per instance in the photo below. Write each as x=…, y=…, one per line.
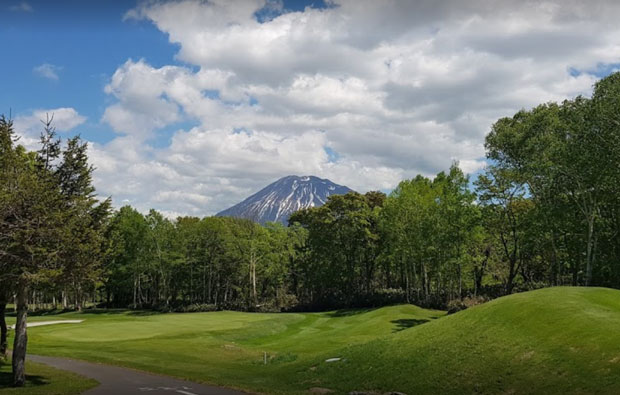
x=44, y=380
x=558, y=340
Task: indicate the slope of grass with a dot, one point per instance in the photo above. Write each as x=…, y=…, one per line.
x=558, y=340
x=44, y=380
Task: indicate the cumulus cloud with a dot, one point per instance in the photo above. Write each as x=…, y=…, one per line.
x=48, y=71
x=365, y=93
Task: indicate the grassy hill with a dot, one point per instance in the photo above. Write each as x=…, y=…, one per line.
x=557, y=340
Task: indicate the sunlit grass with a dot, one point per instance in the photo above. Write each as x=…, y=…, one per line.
x=559, y=340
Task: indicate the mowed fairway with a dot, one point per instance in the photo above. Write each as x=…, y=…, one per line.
x=558, y=340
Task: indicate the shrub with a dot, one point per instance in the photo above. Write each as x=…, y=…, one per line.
x=457, y=305
x=196, y=308
x=287, y=302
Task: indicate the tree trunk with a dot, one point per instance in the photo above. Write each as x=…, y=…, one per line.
x=3, y=328
x=512, y=273
x=253, y=279
x=21, y=336
x=589, y=249
x=479, y=272
x=407, y=289
x=78, y=297
x=425, y=283
x=460, y=273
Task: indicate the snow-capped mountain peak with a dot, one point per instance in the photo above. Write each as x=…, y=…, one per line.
x=277, y=201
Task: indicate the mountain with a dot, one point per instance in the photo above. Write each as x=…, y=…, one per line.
x=277, y=201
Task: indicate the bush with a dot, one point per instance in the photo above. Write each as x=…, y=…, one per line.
x=287, y=302
x=457, y=305
x=385, y=297
x=196, y=308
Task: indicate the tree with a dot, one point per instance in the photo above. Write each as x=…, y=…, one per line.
x=566, y=157
x=428, y=227
x=43, y=201
x=127, y=240
x=343, y=243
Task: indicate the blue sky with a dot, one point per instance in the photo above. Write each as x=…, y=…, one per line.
x=84, y=42
x=191, y=106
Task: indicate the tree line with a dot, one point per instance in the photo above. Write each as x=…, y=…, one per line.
x=545, y=211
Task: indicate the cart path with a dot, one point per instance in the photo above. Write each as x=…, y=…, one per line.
x=121, y=381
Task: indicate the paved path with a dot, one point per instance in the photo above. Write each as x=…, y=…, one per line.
x=120, y=381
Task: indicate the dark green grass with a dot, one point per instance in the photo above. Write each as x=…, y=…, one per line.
x=44, y=380
x=559, y=340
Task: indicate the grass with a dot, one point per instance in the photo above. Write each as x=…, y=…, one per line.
x=225, y=348
x=44, y=380
x=557, y=340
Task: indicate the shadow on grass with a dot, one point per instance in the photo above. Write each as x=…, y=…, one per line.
x=6, y=380
x=101, y=311
x=348, y=312
x=406, y=323
x=141, y=313
x=138, y=313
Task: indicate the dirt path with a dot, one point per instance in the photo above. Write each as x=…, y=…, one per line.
x=121, y=381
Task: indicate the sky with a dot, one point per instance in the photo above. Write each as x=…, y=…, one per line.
x=190, y=106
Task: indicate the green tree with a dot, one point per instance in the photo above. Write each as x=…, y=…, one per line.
x=343, y=242
x=50, y=220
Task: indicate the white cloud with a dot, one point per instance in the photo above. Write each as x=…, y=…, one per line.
x=394, y=88
x=48, y=71
x=21, y=7
x=30, y=126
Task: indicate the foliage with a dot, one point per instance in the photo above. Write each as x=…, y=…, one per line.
x=50, y=225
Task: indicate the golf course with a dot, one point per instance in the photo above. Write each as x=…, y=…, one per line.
x=554, y=340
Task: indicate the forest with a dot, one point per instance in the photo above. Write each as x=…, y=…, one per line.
x=544, y=212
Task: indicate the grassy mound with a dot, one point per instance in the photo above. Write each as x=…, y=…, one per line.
x=557, y=340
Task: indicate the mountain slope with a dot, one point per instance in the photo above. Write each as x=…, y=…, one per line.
x=277, y=201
